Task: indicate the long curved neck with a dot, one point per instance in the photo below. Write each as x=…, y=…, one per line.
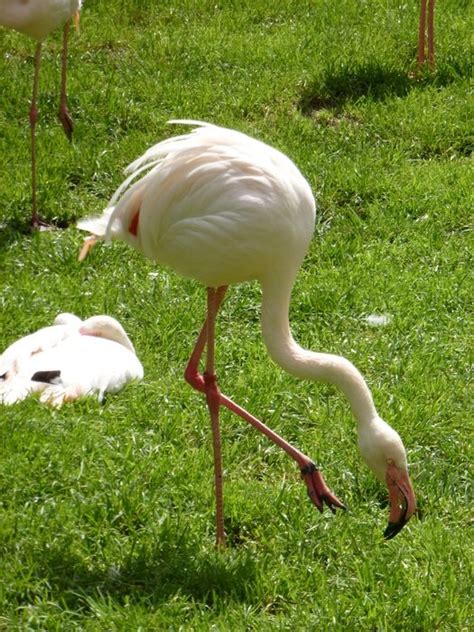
x=305, y=364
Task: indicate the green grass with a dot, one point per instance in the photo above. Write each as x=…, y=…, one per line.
x=107, y=511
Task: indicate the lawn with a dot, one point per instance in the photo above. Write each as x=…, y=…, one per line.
x=106, y=511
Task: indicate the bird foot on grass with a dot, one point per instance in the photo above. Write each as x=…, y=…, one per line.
x=41, y=225
x=318, y=491
x=38, y=223
x=66, y=122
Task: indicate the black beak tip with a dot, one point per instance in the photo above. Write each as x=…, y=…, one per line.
x=393, y=528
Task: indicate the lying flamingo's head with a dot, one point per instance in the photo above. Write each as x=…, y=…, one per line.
x=106, y=327
x=384, y=452
x=67, y=319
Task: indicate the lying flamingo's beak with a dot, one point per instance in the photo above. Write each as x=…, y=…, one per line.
x=402, y=500
x=88, y=244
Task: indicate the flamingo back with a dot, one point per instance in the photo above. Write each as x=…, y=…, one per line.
x=37, y=19
x=215, y=205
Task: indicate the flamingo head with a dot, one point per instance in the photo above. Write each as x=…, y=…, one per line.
x=384, y=453
x=67, y=319
x=106, y=327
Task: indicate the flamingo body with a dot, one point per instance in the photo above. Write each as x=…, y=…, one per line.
x=222, y=208
x=253, y=222
x=70, y=359
x=37, y=18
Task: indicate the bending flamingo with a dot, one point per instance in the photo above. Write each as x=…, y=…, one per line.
x=38, y=19
x=221, y=208
x=70, y=359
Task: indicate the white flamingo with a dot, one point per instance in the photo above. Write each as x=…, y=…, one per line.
x=70, y=359
x=221, y=208
x=37, y=19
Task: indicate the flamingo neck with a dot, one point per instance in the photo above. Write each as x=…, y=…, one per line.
x=306, y=364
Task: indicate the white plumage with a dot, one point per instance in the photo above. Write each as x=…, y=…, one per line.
x=220, y=207
x=69, y=359
x=37, y=19
x=221, y=192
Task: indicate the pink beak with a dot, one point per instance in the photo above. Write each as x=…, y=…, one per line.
x=402, y=500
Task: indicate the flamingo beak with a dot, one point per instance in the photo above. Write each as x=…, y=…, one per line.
x=402, y=500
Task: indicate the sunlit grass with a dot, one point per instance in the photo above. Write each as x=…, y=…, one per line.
x=107, y=516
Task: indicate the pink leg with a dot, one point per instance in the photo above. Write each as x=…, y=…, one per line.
x=421, y=33
x=64, y=115
x=318, y=491
x=431, y=49
x=35, y=220
x=191, y=373
x=212, y=398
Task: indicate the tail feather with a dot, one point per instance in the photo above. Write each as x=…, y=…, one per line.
x=127, y=198
x=155, y=154
x=96, y=225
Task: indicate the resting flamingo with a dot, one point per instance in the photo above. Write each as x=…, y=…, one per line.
x=38, y=19
x=70, y=359
x=220, y=207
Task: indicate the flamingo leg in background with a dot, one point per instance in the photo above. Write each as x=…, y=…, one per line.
x=317, y=489
x=35, y=220
x=431, y=46
x=37, y=20
x=421, y=33
x=429, y=32
x=64, y=115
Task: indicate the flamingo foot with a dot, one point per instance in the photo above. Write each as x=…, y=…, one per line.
x=38, y=223
x=318, y=491
x=66, y=121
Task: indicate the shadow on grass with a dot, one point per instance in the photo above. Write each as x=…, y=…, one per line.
x=348, y=83
x=9, y=233
x=13, y=229
x=174, y=565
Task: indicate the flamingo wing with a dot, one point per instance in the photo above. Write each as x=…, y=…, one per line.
x=14, y=361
